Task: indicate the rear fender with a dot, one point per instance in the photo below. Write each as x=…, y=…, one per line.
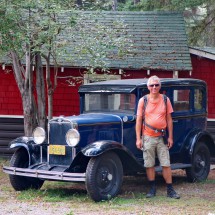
x=195, y=137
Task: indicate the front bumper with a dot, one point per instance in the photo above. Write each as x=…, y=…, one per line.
x=45, y=174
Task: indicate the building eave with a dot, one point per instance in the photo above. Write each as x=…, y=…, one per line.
x=202, y=53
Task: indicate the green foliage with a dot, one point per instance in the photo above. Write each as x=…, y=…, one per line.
x=42, y=25
x=92, y=42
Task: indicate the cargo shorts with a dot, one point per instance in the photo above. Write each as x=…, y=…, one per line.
x=153, y=146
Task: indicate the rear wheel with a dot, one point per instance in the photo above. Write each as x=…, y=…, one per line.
x=200, y=164
x=104, y=176
x=20, y=159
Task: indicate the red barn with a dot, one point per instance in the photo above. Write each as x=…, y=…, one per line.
x=159, y=48
x=203, y=62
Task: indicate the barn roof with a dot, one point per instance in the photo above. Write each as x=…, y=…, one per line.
x=159, y=41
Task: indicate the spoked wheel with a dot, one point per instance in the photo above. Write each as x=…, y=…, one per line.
x=104, y=176
x=200, y=164
x=19, y=183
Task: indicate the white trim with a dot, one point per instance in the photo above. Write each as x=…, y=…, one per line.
x=175, y=74
x=211, y=120
x=12, y=116
x=201, y=53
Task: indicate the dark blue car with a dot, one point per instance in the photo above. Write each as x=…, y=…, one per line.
x=98, y=147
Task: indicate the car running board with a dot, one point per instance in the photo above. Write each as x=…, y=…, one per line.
x=174, y=166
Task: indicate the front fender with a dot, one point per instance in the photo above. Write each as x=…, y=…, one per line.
x=129, y=161
x=100, y=147
x=23, y=142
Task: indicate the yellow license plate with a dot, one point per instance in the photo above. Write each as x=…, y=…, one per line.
x=57, y=150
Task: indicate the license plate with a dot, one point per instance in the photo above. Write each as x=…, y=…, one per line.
x=57, y=150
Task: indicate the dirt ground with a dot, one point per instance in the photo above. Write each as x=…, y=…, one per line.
x=196, y=198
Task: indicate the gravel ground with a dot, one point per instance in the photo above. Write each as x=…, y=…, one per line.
x=197, y=198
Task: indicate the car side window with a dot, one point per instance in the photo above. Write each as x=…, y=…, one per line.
x=198, y=99
x=181, y=100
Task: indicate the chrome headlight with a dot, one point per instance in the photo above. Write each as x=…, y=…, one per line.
x=39, y=135
x=72, y=137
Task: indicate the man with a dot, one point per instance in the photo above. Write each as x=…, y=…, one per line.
x=157, y=117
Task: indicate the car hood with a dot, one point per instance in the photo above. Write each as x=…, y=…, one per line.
x=96, y=118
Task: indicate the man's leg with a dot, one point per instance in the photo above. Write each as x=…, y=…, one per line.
x=150, y=172
x=163, y=155
x=167, y=175
x=149, y=145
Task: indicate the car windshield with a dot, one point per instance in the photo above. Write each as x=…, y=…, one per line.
x=109, y=102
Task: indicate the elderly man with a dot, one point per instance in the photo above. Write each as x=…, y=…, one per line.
x=152, y=121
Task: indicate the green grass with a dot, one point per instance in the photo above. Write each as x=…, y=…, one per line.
x=52, y=195
x=194, y=197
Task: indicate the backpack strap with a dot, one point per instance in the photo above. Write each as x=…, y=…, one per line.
x=145, y=102
x=165, y=99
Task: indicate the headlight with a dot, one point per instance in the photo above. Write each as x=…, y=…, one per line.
x=39, y=135
x=72, y=137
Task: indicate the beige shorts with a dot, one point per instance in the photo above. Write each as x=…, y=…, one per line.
x=153, y=146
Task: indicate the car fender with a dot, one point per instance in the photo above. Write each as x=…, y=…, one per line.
x=193, y=138
x=99, y=147
x=23, y=142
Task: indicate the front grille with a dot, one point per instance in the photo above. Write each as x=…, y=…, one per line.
x=57, y=132
x=57, y=136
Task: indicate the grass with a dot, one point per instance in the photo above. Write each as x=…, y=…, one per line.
x=197, y=198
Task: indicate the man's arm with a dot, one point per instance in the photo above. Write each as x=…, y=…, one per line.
x=139, y=122
x=170, y=130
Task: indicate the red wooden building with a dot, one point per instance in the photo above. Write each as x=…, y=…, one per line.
x=203, y=62
x=159, y=48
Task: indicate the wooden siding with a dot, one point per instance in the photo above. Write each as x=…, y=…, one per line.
x=10, y=128
x=66, y=99
x=204, y=68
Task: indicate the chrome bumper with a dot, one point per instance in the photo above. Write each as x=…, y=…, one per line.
x=45, y=174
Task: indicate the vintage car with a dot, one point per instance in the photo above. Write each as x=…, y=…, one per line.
x=98, y=147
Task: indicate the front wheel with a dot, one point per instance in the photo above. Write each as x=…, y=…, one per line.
x=200, y=164
x=20, y=159
x=104, y=176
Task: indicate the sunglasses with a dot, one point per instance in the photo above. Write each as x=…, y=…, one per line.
x=154, y=85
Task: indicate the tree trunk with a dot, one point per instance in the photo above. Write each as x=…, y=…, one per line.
x=25, y=88
x=40, y=87
x=210, y=24
x=49, y=89
x=136, y=2
x=114, y=5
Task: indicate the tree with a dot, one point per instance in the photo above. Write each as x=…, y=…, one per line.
x=24, y=33
x=30, y=34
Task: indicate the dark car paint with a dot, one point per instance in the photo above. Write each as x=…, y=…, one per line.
x=101, y=132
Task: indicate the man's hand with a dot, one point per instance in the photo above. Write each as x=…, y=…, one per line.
x=139, y=144
x=170, y=143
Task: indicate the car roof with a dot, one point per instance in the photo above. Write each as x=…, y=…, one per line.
x=129, y=85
